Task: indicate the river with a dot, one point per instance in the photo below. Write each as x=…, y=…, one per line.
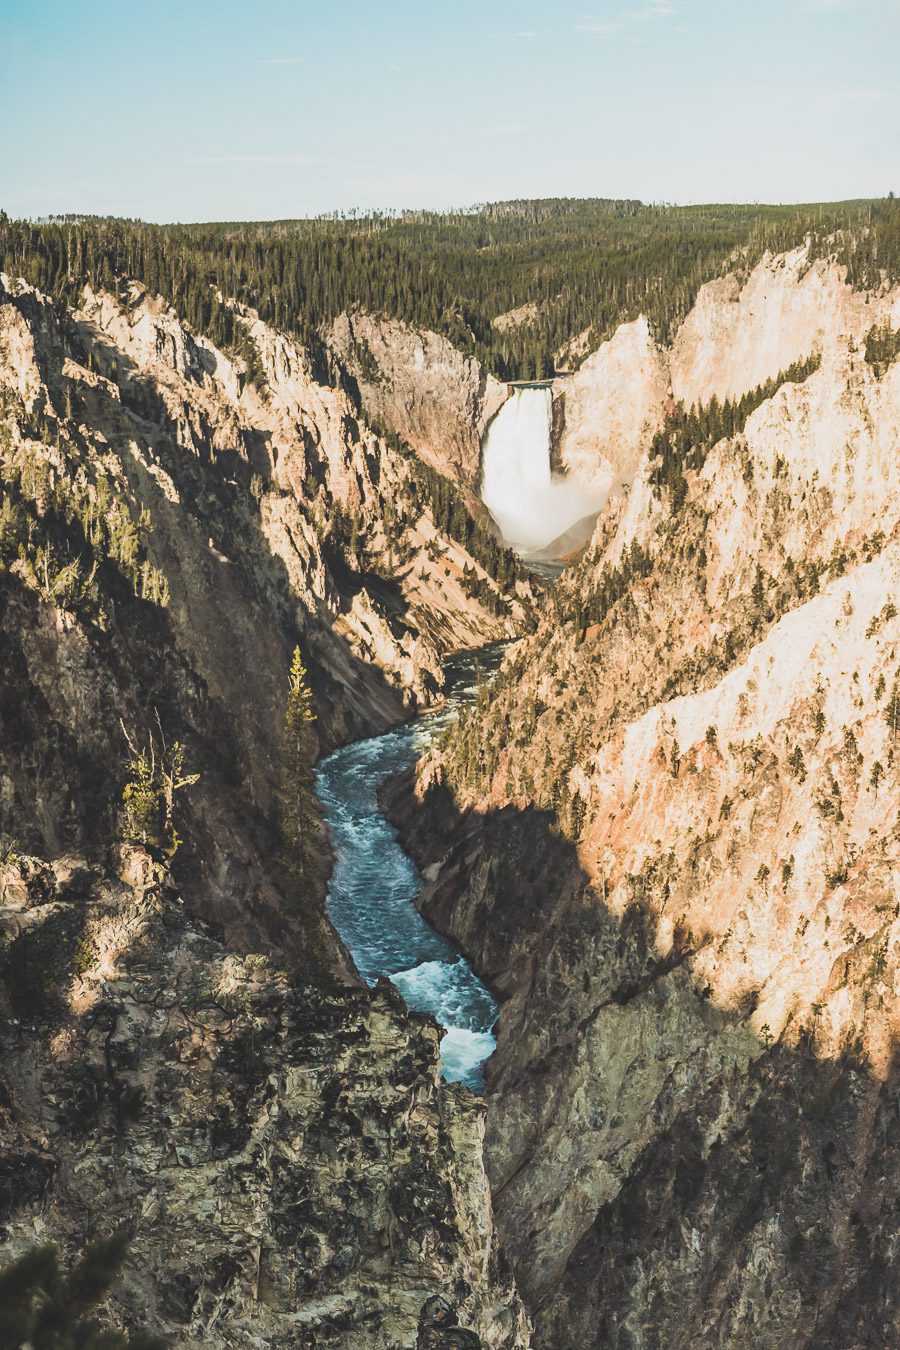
x=374, y=883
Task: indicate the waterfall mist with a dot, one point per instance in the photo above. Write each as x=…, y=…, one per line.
x=532, y=506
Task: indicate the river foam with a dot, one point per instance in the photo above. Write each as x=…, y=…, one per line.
x=374, y=884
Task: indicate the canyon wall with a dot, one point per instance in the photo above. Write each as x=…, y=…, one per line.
x=185, y=1047
x=669, y=843
x=612, y=405
x=248, y=517
x=739, y=333
x=421, y=388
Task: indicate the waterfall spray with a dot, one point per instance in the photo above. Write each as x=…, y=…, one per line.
x=532, y=506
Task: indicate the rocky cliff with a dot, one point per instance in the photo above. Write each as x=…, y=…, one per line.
x=669, y=841
x=422, y=389
x=185, y=1046
x=741, y=331
x=611, y=406
x=171, y=529
x=290, y=1169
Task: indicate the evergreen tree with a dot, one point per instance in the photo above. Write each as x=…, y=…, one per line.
x=43, y=1309
x=300, y=817
x=584, y=266
x=156, y=776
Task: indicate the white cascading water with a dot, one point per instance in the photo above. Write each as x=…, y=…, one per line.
x=532, y=506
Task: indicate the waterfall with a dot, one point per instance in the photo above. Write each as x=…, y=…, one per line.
x=532, y=506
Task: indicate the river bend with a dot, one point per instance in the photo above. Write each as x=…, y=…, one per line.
x=374, y=884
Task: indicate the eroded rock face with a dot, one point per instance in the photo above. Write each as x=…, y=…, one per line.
x=422, y=389
x=611, y=407
x=740, y=332
x=670, y=842
x=291, y=1169
x=738, y=335
x=305, y=440
x=439, y=1328
x=234, y=521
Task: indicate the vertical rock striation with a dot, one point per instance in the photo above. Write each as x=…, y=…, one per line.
x=184, y=1046
x=669, y=840
x=422, y=389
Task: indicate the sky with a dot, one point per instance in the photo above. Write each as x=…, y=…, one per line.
x=219, y=110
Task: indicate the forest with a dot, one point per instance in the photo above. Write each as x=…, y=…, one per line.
x=582, y=265
x=688, y=434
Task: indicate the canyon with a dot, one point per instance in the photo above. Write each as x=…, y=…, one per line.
x=670, y=845
x=663, y=836
x=185, y=1040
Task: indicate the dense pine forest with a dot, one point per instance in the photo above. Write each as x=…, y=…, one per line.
x=690, y=433
x=579, y=266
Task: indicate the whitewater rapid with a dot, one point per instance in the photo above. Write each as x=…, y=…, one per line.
x=532, y=505
x=374, y=884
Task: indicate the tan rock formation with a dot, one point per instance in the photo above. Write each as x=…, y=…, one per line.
x=737, y=336
x=739, y=333
x=612, y=405
x=515, y=318
x=671, y=843
x=422, y=389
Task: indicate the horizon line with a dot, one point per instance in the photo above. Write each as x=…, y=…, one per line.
x=398, y=212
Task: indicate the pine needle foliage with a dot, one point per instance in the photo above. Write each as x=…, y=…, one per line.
x=690, y=433
x=70, y=534
x=300, y=818
x=882, y=347
x=580, y=265
x=43, y=1308
x=156, y=776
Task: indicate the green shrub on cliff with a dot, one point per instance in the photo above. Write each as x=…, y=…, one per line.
x=300, y=819
x=882, y=347
x=42, y=1308
x=70, y=534
x=156, y=777
x=689, y=434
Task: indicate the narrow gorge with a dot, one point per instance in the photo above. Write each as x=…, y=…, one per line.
x=374, y=884
x=448, y=776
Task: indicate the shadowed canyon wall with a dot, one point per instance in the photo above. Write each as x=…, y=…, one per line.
x=185, y=1047
x=668, y=841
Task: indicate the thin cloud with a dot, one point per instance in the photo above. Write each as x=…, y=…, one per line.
x=597, y=27
x=279, y=61
x=625, y=25
x=260, y=159
x=527, y=35
x=862, y=95
x=457, y=138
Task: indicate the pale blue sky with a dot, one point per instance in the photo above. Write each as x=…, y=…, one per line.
x=214, y=109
